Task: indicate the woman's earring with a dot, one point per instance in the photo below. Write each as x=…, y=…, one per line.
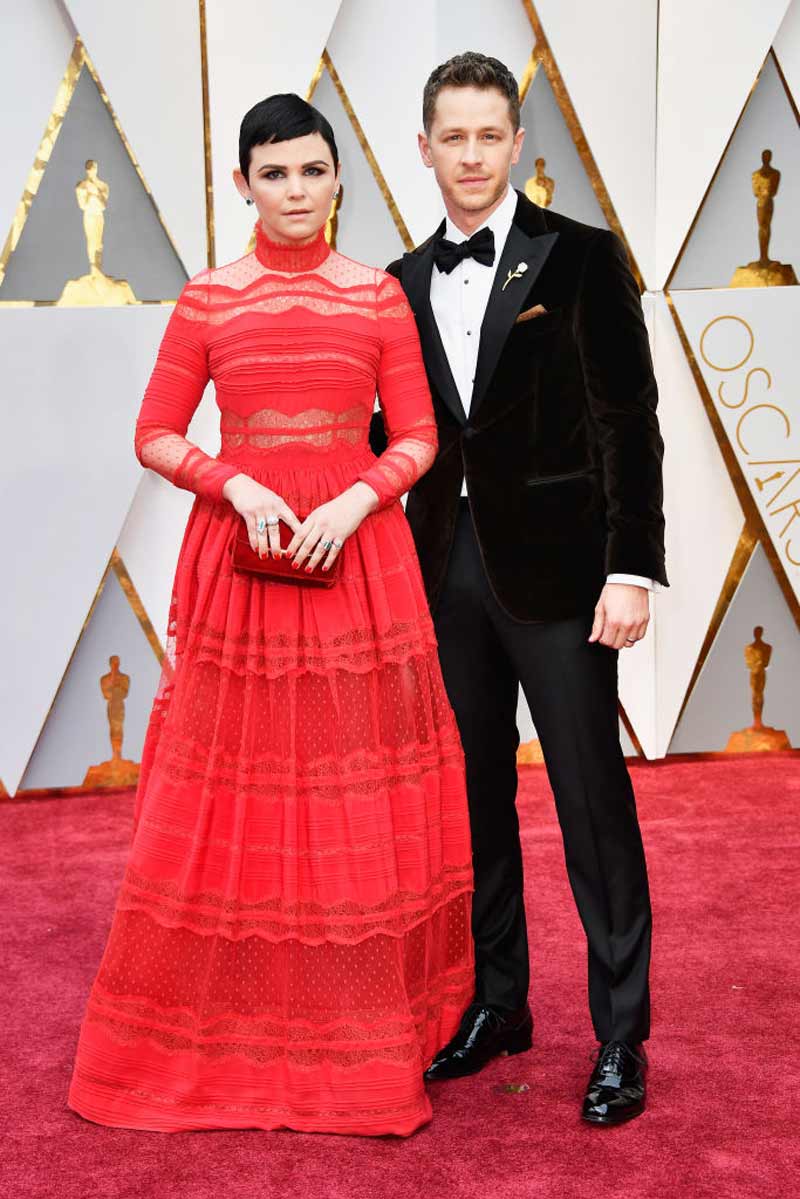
x=249, y=200
x=335, y=194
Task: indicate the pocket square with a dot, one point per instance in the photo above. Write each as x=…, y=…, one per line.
x=530, y=313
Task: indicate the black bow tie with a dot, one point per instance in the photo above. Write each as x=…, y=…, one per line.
x=448, y=254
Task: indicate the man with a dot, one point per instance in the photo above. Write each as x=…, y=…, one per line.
x=539, y=532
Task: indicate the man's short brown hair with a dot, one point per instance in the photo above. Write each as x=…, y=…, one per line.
x=470, y=70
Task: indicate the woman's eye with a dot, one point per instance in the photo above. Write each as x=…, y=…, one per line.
x=314, y=171
x=272, y=175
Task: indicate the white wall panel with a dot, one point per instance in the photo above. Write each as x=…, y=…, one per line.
x=255, y=48
x=787, y=49
x=148, y=59
x=709, y=53
x=39, y=40
x=703, y=523
x=606, y=54
x=67, y=475
x=386, y=94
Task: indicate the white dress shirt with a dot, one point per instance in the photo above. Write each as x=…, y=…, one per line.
x=459, y=300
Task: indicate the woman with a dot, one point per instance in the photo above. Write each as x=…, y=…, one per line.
x=291, y=940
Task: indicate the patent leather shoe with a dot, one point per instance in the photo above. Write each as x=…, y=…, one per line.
x=616, y=1090
x=484, y=1033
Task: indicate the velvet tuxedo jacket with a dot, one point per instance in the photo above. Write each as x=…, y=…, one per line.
x=561, y=450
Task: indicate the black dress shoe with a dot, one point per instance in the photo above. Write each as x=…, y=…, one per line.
x=484, y=1033
x=616, y=1090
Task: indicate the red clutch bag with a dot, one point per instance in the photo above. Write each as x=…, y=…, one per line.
x=280, y=570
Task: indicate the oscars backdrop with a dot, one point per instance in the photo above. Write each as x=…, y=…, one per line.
x=675, y=124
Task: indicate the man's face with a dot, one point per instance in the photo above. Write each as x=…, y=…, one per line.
x=471, y=146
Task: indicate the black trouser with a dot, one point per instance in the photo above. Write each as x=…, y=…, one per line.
x=571, y=689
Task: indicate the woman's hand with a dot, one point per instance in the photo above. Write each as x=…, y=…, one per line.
x=261, y=510
x=325, y=530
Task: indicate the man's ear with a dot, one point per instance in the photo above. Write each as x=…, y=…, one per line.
x=424, y=149
x=519, y=138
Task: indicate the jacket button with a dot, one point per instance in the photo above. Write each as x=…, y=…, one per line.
x=470, y=432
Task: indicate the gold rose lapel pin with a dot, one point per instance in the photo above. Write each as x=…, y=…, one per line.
x=521, y=268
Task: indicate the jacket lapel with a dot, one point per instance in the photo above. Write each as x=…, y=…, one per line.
x=505, y=302
x=415, y=277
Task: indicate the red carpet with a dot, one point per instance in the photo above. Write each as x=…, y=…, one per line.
x=722, y=843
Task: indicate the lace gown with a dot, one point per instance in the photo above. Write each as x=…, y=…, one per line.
x=291, y=939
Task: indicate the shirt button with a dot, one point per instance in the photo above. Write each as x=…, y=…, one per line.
x=469, y=333
x=466, y=281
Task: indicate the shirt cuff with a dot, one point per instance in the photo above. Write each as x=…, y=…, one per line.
x=635, y=581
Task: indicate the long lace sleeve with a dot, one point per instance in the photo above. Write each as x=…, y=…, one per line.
x=175, y=389
x=404, y=397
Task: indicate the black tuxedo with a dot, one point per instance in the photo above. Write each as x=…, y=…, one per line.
x=561, y=452
x=562, y=457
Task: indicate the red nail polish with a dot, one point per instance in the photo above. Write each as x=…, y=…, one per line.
x=295, y=565
x=308, y=570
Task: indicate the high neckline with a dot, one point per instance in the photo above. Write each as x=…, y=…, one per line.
x=280, y=256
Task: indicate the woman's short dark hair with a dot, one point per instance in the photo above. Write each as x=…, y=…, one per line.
x=470, y=70
x=279, y=119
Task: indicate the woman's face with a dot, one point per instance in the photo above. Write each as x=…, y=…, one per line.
x=292, y=184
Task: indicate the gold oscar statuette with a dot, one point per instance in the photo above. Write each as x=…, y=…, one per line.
x=540, y=187
x=758, y=737
x=765, y=272
x=117, y=771
x=95, y=289
x=332, y=223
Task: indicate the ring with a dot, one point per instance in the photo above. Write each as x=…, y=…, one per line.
x=272, y=520
x=337, y=541
x=261, y=525
x=326, y=545
x=631, y=640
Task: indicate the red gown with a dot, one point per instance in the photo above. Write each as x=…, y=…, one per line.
x=291, y=939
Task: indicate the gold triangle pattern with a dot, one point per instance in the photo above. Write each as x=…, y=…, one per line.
x=543, y=56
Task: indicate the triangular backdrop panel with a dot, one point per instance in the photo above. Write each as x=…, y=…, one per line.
x=366, y=230
x=709, y=54
x=703, y=522
x=739, y=341
x=42, y=39
x=68, y=452
x=254, y=50
x=615, y=40
x=549, y=137
x=52, y=246
x=148, y=59
x=721, y=701
x=76, y=734
x=416, y=36
x=726, y=233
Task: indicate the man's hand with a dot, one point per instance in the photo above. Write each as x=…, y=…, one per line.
x=621, y=616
